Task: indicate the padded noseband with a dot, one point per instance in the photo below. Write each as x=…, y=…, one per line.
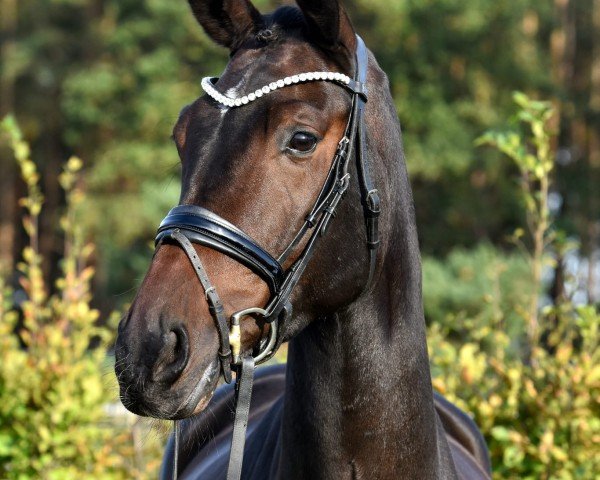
x=206, y=228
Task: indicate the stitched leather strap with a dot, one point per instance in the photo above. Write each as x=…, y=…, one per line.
x=214, y=302
x=176, y=434
x=369, y=194
x=206, y=228
x=243, y=395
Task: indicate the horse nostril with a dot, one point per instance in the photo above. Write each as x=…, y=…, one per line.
x=173, y=356
x=180, y=342
x=171, y=346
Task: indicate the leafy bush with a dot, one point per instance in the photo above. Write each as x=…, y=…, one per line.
x=534, y=388
x=541, y=419
x=53, y=423
x=472, y=286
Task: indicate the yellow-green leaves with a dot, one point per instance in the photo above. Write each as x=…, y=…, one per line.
x=530, y=376
x=53, y=356
x=529, y=146
x=34, y=199
x=541, y=418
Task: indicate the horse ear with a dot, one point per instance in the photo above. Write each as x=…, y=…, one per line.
x=328, y=23
x=227, y=22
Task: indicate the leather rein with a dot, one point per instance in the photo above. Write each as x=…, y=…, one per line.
x=186, y=225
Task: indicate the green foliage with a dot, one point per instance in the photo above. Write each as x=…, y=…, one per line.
x=107, y=81
x=471, y=287
x=541, y=419
x=535, y=397
x=530, y=150
x=450, y=77
x=52, y=391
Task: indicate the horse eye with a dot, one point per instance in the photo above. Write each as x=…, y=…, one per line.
x=302, y=142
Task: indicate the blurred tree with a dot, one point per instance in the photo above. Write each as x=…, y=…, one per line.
x=106, y=80
x=452, y=66
x=8, y=24
x=42, y=43
x=576, y=72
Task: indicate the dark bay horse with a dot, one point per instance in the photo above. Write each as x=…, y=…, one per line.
x=355, y=399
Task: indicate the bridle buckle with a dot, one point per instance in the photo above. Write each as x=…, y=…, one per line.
x=235, y=335
x=373, y=203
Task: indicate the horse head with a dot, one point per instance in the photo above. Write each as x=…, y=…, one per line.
x=260, y=165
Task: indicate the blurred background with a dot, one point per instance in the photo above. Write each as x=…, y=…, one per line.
x=509, y=229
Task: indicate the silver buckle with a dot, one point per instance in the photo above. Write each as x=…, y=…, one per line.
x=235, y=335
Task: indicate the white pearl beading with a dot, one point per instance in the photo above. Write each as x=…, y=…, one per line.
x=208, y=87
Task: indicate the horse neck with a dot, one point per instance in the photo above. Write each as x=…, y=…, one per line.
x=358, y=400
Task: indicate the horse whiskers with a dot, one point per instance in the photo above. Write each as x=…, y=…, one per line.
x=121, y=361
x=124, y=371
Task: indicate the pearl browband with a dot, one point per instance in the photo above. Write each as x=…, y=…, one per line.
x=344, y=80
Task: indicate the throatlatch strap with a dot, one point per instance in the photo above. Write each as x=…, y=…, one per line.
x=214, y=302
x=243, y=394
x=369, y=194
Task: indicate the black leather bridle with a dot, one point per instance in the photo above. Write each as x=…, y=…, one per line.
x=186, y=225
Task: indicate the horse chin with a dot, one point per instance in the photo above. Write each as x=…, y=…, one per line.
x=201, y=394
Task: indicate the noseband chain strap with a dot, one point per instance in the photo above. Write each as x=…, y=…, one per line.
x=188, y=224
